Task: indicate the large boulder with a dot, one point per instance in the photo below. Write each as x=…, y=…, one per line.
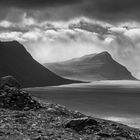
x=12, y=97
x=80, y=123
x=16, y=99
x=9, y=81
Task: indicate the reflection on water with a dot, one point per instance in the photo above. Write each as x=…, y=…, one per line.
x=113, y=100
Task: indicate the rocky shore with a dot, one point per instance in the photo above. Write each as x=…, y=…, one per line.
x=23, y=117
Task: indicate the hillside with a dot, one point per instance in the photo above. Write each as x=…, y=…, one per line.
x=16, y=61
x=92, y=67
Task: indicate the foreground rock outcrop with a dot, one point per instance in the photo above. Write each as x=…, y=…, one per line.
x=9, y=81
x=12, y=97
x=23, y=117
x=81, y=123
x=103, y=129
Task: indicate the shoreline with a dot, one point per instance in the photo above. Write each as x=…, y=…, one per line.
x=127, y=119
x=26, y=117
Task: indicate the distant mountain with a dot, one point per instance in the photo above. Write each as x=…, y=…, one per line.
x=92, y=67
x=16, y=61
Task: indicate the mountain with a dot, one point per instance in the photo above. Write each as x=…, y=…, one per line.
x=92, y=67
x=16, y=61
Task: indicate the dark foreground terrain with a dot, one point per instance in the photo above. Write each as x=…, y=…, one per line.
x=23, y=117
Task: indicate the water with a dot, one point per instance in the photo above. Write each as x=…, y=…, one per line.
x=113, y=100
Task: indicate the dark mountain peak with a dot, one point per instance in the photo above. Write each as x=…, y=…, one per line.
x=93, y=67
x=16, y=60
x=89, y=55
x=10, y=43
x=104, y=56
x=13, y=48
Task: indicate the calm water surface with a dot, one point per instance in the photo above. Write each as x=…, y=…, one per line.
x=114, y=100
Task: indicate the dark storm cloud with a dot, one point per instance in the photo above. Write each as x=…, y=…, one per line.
x=36, y=3
x=40, y=8
x=101, y=9
x=115, y=6
x=112, y=9
x=109, y=10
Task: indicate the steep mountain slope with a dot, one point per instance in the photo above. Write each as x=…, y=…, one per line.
x=92, y=67
x=16, y=61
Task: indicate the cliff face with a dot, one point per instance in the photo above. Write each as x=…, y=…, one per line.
x=92, y=67
x=16, y=61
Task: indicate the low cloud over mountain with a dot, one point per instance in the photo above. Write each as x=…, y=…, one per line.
x=59, y=41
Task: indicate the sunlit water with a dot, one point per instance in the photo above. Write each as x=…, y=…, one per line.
x=113, y=100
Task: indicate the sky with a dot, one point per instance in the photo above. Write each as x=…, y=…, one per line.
x=58, y=30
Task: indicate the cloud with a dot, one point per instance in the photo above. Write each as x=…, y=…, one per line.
x=134, y=34
x=118, y=30
x=56, y=30
x=112, y=10
x=11, y=36
x=35, y=3
x=59, y=41
x=5, y=24
x=114, y=6
x=38, y=9
x=108, y=10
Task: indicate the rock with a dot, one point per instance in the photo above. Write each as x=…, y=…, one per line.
x=51, y=110
x=20, y=115
x=80, y=123
x=38, y=138
x=104, y=135
x=41, y=138
x=12, y=97
x=9, y=81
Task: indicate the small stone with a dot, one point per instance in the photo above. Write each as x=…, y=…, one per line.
x=37, y=138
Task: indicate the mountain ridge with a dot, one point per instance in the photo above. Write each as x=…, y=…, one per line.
x=16, y=61
x=92, y=67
